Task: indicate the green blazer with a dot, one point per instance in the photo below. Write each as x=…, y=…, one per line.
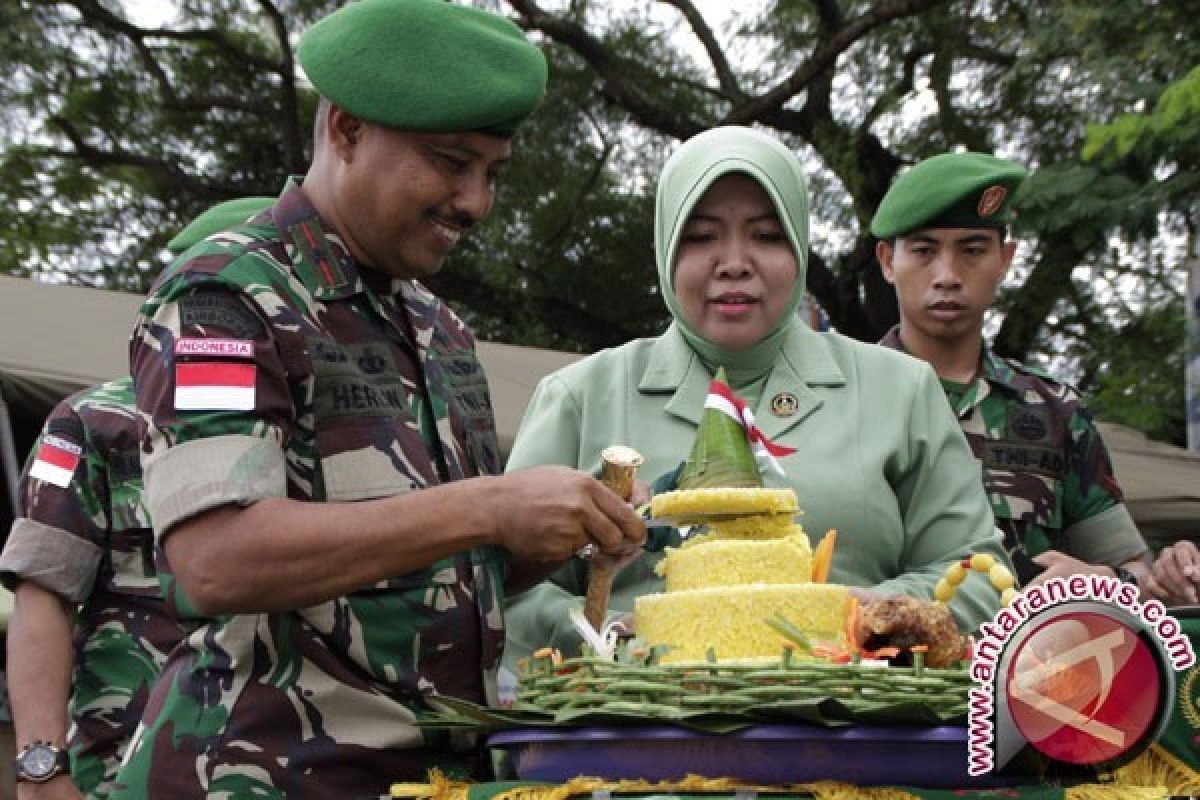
x=879, y=457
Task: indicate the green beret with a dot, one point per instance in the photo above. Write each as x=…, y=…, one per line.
x=425, y=65
x=220, y=217
x=953, y=190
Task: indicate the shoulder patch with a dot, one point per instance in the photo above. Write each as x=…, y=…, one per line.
x=58, y=453
x=209, y=308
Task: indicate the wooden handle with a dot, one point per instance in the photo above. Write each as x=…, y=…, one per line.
x=618, y=466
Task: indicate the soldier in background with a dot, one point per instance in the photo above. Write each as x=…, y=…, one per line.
x=217, y=218
x=90, y=631
x=942, y=230
x=316, y=431
x=80, y=556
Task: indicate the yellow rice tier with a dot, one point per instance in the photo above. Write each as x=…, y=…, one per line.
x=732, y=620
x=755, y=526
x=725, y=562
x=723, y=501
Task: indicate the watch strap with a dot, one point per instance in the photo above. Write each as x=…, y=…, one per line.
x=1124, y=575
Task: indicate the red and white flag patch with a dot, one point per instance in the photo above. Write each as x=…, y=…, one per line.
x=55, y=461
x=215, y=386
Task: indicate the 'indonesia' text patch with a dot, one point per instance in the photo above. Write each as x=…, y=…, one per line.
x=214, y=386
x=56, y=461
x=230, y=348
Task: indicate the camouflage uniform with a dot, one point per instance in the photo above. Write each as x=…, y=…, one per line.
x=363, y=386
x=90, y=542
x=1045, y=468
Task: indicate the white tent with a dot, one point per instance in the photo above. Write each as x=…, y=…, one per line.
x=55, y=339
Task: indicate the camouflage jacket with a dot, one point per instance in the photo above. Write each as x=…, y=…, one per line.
x=84, y=533
x=267, y=364
x=1045, y=467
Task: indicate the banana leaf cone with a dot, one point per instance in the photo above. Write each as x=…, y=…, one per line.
x=721, y=455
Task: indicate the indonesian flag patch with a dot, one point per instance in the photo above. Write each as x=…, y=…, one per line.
x=214, y=386
x=56, y=460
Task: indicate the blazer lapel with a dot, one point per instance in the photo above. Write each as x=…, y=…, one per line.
x=674, y=368
x=804, y=362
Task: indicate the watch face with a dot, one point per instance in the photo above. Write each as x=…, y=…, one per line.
x=39, y=761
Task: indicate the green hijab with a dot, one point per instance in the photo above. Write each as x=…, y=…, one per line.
x=691, y=169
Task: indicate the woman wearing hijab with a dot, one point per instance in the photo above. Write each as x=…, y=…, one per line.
x=878, y=455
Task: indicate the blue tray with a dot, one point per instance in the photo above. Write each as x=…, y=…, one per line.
x=864, y=755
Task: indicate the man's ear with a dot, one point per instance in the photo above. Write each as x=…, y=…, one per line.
x=884, y=250
x=344, y=131
x=1009, y=249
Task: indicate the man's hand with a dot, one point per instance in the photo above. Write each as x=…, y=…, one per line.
x=1175, y=577
x=1060, y=565
x=546, y=514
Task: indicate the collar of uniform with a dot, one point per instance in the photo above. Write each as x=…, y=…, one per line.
x=892, y=339
x=804, y=361
x=320, y=259
x=423, y=309
x=1000, y=372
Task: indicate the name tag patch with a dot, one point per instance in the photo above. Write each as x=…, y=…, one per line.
x=1024, y=458
x=215, y=386
x=56, y=461
x=356, y=379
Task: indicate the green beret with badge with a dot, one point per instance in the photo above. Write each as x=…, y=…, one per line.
x=220, y=217
x=952, y=190
x=425, y=65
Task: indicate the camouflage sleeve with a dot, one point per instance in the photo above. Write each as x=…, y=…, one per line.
x=213, y=393
x=1098, y=526
x=57, y=540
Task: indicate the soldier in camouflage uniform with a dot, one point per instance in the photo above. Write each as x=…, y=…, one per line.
x=83, y=541
x=943, y=245
x=316, y=425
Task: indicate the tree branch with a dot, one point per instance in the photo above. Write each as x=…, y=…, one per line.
x=725, y=77
x=624, y=92
x=94, y=13
x=825, y=57
x=289, y=105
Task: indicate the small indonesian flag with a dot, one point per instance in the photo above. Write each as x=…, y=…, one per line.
x=766, y=453
x=214, y=386
x=56, y=461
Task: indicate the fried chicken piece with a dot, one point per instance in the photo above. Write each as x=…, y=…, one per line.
x=900, y=621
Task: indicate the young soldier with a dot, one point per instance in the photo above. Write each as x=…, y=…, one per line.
x=80, y=555
x=316, y=425
x=942, y=230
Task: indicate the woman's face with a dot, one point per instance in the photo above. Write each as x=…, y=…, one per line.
x=734, y=265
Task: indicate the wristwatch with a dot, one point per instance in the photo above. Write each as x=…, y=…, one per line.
x=40, y=761
x=1125, y=576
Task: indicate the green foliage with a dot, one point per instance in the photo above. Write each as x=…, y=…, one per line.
x=1136, y=366
x=113, y=136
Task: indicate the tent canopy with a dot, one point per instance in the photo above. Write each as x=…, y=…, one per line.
x=55, y=339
